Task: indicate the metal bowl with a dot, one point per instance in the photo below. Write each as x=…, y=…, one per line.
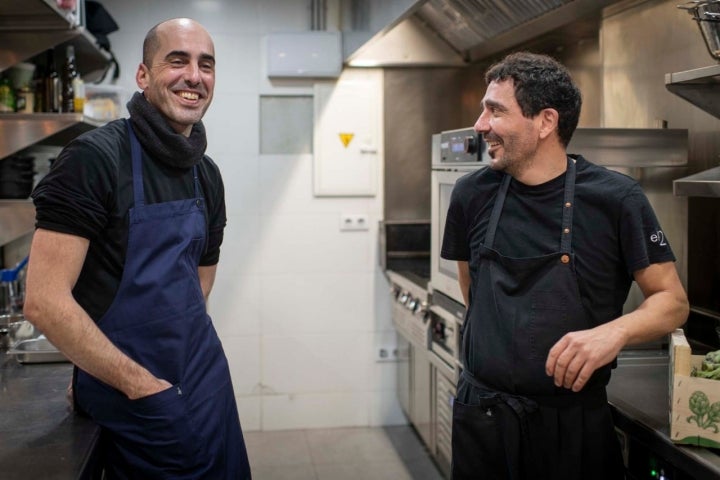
x=29, y=345
x=36, y=350
x=707, y=16
x=21, y=330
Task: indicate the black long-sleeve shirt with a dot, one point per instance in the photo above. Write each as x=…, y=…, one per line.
x=88, y=192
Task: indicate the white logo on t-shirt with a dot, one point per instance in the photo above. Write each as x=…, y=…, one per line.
x=659, y=238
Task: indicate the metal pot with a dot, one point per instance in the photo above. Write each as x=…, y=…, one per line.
x=707, y=16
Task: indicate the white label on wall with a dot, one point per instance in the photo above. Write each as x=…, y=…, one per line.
x=350, y=108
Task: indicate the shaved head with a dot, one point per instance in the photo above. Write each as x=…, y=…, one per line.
x=151, y=44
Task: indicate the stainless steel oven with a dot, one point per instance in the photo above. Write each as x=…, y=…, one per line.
x=446, y=322
x=412, y=321
x=454, y=154
x=444, y=389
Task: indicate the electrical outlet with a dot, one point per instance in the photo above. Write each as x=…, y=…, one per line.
x=386, y=353
x=353, y=221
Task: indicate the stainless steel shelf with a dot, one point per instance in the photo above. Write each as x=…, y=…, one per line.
x=632, y=147
x=17, y=218
x=29, y=27
x=19, y=131
x=700, y=86
x=702, y=184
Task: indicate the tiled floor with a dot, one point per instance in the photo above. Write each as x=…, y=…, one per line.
x=383, y=453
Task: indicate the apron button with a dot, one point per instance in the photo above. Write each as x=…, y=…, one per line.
x=198, y=202
x=568, y=205
x=567, y=230
x=565, y=259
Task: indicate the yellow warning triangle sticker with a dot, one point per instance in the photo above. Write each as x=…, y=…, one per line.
x=346, y=138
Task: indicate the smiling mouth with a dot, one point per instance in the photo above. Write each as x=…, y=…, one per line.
x=189, y=95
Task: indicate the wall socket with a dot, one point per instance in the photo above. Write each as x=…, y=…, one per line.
x=353, y=221
x=386, y=353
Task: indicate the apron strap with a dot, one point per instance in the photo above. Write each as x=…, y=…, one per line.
x=497, y=209
x=566, y=224
x=568, y=199
x=196, y=181
x=136, y=153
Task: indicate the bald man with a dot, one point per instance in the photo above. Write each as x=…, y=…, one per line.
x=129, y=224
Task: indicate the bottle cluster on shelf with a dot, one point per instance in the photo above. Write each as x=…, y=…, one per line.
x=39, y=86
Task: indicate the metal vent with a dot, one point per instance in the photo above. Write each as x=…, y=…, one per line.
x=467, y=23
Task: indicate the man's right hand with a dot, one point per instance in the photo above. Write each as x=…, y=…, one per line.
x=150, y=387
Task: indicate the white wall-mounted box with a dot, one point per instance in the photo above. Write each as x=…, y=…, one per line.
x=304, y=54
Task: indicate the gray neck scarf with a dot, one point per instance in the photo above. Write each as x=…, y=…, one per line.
x=160, y=141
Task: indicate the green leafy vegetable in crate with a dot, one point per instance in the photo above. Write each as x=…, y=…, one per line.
x=710, y=367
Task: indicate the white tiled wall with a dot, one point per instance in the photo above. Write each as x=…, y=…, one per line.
x=300, y=305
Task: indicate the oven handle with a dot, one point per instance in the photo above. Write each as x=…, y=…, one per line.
x=444, y=314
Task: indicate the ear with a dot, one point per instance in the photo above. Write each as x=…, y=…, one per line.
x=548, y=122
x=142, y=76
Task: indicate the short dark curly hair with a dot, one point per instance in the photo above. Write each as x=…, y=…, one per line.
x=541, y=82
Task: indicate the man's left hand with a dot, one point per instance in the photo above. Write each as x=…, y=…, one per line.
x=574, y=358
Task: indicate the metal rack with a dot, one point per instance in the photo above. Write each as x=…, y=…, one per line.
x=29, y=27
x=701, y=87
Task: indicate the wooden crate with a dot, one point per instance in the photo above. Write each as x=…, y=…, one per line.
x=694, y=402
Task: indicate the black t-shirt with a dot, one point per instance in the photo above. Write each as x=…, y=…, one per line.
x=88, y=192
x=615, y=231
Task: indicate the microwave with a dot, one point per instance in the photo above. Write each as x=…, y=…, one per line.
x=454, y=153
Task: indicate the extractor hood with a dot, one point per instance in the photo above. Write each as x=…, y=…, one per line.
x=476, y=29
x=701, y=87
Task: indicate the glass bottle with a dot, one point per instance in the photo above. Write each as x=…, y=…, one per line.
x=51, y=97
x=69, y=73
x=7, y=96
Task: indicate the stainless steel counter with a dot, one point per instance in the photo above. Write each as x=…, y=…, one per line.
x=638, y=395
x=40, y=437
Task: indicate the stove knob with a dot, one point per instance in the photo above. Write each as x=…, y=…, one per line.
x=421, y=307
x=403, y=298
x=411, y=304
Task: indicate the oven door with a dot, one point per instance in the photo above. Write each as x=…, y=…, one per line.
x=443, y=273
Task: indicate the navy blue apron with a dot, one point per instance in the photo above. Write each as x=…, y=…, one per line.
x=509, y=419
x=158, y=318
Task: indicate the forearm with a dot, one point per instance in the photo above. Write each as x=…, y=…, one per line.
x=207, y=279
x=660, y=314
x=574, y=358
x=75, y=334
x=464, y=281
x=56, y=260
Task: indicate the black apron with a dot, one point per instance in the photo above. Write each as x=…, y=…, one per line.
x=159, y=319
x=509, y=419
